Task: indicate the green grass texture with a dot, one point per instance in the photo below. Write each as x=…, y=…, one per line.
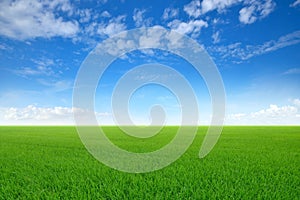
x=248, y=162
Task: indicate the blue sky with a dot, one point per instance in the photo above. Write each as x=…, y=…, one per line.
x=255, y=45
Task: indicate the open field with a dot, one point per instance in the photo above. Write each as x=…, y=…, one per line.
x=247, y=163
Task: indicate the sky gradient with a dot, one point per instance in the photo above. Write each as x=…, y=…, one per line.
x=254, y=44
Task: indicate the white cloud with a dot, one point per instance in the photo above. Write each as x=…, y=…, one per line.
x=216, y=37
x=57, y=85
x=220, y=5
x=154, y=37
x=237, y=50
x=91, y=29
x=151, y=37
x=43, y=67
x=256, y=10
x=114, y=26
x=30, y=19
x=196, y=8
x=37, y=113
x=29, y=71
x=296, y=102
x=193, y=8
x=138, y=18
x=283, y=41
x=102, y=1
x=273, y=115
x=85, y=15
x=295, y=4
x=5, y=47
x=292, y=71
x=252, y=11
x=33, y=115
x=236, y=116
x=275, y=111
x=105, y=14
x=192, y=27
x=170, y=13
x=246, y=15
x=44, y=62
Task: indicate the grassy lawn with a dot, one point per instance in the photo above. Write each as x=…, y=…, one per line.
x=247, y=163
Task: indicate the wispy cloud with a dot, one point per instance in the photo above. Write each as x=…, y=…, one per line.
x=44, y=62
x=34, y=71
x=216, y=37
x=292, y=71
x=244, y=52
x=47, y=72
x=57, y=85
x=42, y=67
x=102, y=1
x=295, y=4
x=4, y=47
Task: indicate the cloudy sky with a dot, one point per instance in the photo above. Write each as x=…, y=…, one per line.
x=254, y=43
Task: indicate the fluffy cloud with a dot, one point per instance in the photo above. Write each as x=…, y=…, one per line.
x=33, y=112
x=192, y=27
x=296, y=102
x=220, y=5
x=193, y=8
x=170, y=13
x=252, y=10
x=114, y=26
x=32, y=18
x=85, y=15
x=105, y=14
x=246, y=15
x=273, y=115
x=33, y=115
x=275, y=111
x=138, y=18
x=256, y=10
x=196, y=8
x=99, y=25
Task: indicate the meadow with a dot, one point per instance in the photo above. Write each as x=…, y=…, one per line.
x=248, y=162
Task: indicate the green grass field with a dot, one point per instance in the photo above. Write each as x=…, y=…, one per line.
x=247, y=163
